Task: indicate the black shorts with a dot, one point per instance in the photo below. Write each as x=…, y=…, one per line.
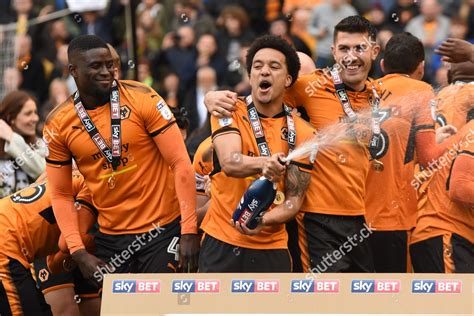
x=218, y=256
x=390, y=250
x=443, y=254
x=18, y=292
x=155, y=251
x=292, y=230
x=334, y=243
x=48, y=282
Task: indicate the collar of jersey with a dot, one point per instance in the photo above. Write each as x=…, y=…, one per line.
x=281, y=114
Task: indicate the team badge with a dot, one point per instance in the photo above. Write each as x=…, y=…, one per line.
x=125, y=112
x=164, y=110
x=43, y=275
x=225, y=121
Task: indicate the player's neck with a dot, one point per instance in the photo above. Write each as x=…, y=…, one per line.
x=270, y=109
x=92, y=101
x=356, y=86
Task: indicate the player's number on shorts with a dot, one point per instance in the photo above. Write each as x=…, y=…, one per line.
x=173, y=248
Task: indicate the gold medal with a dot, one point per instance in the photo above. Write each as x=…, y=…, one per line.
x=279, y=198
x=111, y=182
x=378, y=165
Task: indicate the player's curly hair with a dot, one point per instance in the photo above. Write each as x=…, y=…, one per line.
x=276, y=42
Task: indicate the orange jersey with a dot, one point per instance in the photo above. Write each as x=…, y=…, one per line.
x=202, y=163
x=338, y=182
x=141, y=196
x=390, y=198
x=440, y=214
x=28, y=227
x=454, y=103
x=227, y=191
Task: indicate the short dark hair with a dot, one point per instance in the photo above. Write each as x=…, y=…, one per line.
x=84, y=43
x=403, y=53
x=181, y=117
x=276, y=42
x=356, y=24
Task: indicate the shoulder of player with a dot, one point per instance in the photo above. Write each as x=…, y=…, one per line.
x=303, y=127
x=138, y=89
x=61, y=110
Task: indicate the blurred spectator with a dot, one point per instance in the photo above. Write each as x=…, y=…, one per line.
x=194, y=98
x=290, y=5
x=58, y=93
x=234, y=30
x=177, y=53
x=467, y=13
x=376, y=16
x=21, y=152
x=321, y=25
x=186, y=12
x=281, y=27
x=144, y=74
x=299, y=27
x=401, y=13
x=11, y=79
x=31, y=68
x=170, y=89
x=431, y=27
x=236, y=77
x=61, y=69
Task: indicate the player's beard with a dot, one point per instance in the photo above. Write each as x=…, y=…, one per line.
x=102, y=96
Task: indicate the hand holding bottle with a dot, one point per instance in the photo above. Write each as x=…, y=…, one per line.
x=274, y=168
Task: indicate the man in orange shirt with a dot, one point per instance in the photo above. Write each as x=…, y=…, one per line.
x=261, y=125
x=28, y=230
x=331, y=220
x=407, y=127
x=112, y=128
x=443, y=239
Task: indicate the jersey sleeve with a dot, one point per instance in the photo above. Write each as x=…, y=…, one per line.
x=305, y=134
x=225, y=125
x=422, y=111
x=81, y=192
x=57, y=153
x=156, y=114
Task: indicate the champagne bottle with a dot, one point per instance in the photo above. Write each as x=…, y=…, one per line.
x=257, y=199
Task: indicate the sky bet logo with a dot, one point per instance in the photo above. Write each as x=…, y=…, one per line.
x=195, y=286
x=375, y=286
x=315, y=286
x=433, y=286
x=255, y=286
x=138, y=286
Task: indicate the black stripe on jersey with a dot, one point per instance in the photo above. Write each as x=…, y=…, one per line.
x=90, y=206
x=161, y=130
x=61, y=163
x=216, y=166
x=469, y=153
x=225, y=130
x=302, y=165
x=48, y=215
x=410, y=150
x=422, y=127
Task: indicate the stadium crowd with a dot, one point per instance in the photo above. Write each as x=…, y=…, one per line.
x=104, y=174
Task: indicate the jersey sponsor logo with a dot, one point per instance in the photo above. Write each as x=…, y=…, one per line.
x=315, y=286
x=375, y=286
x=195, y=286
x=124, y=286
x=436, y=286
x=225, y=121
x=164, y=110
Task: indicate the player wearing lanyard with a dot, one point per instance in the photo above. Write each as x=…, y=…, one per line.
x=123, y=137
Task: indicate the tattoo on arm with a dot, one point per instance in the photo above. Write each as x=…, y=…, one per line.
x=296, y=181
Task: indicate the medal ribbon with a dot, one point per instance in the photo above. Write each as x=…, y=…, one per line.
x=112, y=155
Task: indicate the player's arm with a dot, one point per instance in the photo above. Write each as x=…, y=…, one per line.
x=220, y=103
x=461, y=185
x=173, y=150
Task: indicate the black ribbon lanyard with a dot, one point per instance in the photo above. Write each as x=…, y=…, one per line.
x=112, y=155
x=347, y=107
x=258, y=130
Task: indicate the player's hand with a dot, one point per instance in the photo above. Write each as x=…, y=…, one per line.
x=445, y=132
x=220, y=103
x=273, y=170
x=244, y=230
x=88, y=264
x=207, y=185
x=455, y=50
x=189, y=252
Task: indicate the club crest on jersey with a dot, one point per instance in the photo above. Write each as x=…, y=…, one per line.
x=43, y=275
x=164, y=110
x=125, y=112
x=225, y=121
